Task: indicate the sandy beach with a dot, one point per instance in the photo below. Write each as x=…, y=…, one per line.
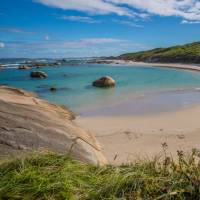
x=192, y=67
x=127, y=138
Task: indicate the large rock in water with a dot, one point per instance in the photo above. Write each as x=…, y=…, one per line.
x=28, y=123
x=38, y=74
x=105, y=81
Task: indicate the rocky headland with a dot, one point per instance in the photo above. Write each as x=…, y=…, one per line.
x=28, y=123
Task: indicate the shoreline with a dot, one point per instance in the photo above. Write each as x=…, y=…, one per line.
x=192, y=67
x=127, y=138
x=147, y=104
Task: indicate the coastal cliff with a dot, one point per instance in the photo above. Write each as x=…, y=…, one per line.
x=28, y=123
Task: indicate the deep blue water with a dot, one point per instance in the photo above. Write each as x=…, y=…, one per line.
x=136, y=87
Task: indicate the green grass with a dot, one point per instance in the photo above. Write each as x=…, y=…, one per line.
x=189, y=53
x=53, y=176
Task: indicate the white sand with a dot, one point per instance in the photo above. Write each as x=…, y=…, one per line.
x=193, y=67
x=127, y=138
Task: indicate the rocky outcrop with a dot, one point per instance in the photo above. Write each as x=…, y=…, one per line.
x=39, y=65
x=22, y=67
x=100, y=62
x=38, y=74
x=28, y=123
x=105, y=81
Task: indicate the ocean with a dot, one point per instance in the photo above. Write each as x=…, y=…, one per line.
x=139, y=89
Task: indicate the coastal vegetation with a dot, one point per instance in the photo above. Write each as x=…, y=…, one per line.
x=53, y=176
x=188, y=53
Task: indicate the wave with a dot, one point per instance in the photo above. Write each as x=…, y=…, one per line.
x=11, y=66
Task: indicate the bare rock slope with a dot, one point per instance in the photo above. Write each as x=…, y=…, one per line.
x=29, y=123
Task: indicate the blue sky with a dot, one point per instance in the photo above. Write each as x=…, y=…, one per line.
x=80, y=28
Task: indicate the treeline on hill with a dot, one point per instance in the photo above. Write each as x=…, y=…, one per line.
x=188, y=53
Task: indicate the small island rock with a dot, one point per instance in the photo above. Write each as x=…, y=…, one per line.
x=38, y=74
x=105, y=81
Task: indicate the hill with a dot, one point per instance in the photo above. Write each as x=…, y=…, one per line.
x=188, y=53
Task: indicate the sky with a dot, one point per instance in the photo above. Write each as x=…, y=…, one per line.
x=87, y=28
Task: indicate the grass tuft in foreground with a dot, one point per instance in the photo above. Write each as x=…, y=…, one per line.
x=52, y=176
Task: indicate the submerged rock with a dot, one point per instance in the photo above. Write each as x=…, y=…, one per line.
x=53, y=89
x=38, y=74
x=30, y=124
x=41, y=89
x=105, y=81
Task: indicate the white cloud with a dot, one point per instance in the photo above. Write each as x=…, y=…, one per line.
x=73, y=44
x=15, y=30
x=186, y=9
x=2, y=45
x=127, y=23
x=91, y=6
x=91, y=41
x=70, y=48
x=190, y=22
x=79, y=19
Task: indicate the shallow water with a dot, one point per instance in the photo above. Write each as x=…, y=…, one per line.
x=139, y=89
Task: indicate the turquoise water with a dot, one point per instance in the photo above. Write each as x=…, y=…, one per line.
x=136, y=87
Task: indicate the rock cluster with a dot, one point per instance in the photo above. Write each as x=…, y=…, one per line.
x=23, y=67
x=100, y=62
x=31, y=64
